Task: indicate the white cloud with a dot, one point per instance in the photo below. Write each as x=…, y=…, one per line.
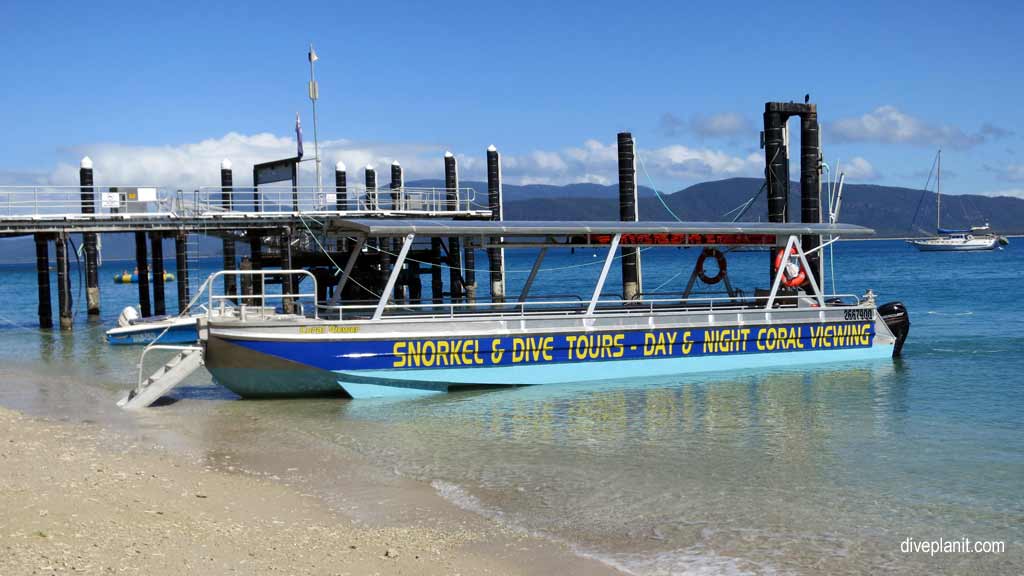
x=858, y=168
x=1015, y=192
x=888, y=124
x=706, y=125
x=191, y=165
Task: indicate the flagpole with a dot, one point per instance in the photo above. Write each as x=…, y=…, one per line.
x=314, y=94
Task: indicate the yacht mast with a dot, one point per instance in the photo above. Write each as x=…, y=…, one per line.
x=938, y=194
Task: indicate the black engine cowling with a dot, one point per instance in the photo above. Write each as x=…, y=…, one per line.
x=898, y=320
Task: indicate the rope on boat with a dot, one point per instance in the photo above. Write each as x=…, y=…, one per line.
x=326, y=253
x=655, y=188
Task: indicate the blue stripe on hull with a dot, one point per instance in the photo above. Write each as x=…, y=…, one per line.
x=379, y=383
x=176, y=335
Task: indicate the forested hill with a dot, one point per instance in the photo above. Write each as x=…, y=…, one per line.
x=892, y=211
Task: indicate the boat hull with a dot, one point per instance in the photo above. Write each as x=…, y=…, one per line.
x=970, y=246
x=140, y=334
x=255, y=364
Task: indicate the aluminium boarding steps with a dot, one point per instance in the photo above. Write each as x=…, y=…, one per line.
x=173, y=372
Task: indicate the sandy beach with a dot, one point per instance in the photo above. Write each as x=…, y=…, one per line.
x=77, y=498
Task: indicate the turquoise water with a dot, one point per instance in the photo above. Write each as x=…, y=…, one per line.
x=802, y=471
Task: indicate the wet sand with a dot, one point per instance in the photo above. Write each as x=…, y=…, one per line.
x=78, y=498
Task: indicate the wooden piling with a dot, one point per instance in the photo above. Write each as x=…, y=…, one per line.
x=157, y=242
x=142, y=265
x=628, y=212
x=495, y=256
x=43, y=280
x=451, y=184
x=181, y=269
x=64, y=302
x=92, y=280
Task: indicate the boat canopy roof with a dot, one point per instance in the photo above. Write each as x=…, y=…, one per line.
x=401, y=227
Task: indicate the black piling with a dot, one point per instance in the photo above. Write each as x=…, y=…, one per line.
x=181, y=268
x=226, y=184
x=157, y=242
x=256, y=251
x=810, y=184
x=288, y=282
x=64, y=303
x=776, y=140
x=436, y=279
x=226, y=194
x=370, y=176
x=43, y=280
x=776, y=157
x=92, y=277
x=340, y=187
x=142, y=265
x=495, y=256
x=451, y=184
x=415, y=283
x=628, y=212
x=397, y=183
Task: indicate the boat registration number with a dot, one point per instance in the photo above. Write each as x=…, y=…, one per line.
x=858, y=314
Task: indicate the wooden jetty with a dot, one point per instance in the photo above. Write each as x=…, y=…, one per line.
x=279, y=223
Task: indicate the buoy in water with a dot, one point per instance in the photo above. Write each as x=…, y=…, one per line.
x=126, y=278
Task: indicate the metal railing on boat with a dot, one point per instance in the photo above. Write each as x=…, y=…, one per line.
x=254, y=304
x=538, y=307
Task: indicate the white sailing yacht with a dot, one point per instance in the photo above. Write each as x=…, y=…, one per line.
x=974, y=238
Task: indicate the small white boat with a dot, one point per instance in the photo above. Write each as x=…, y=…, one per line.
x=132, y=329
x=957, y=241
x=976, y=238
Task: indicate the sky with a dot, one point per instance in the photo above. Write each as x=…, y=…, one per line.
x=160, y=93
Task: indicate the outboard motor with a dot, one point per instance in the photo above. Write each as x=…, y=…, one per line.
x=898, y=320
x=127, y=317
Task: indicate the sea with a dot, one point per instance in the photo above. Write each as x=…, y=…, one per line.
x=824, y=469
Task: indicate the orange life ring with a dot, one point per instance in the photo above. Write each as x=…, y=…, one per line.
x=788, y=279
x=722, y=266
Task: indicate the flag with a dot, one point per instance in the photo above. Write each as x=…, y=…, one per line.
x=298, y=135
x=312, y=55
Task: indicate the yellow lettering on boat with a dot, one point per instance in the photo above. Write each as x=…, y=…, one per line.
x=687, y=344
x=398, y=350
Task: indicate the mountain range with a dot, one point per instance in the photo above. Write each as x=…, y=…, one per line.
x=893, y=212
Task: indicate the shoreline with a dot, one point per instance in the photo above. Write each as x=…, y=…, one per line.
x=82, y=498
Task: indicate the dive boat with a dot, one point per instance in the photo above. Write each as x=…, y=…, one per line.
x=402, y=346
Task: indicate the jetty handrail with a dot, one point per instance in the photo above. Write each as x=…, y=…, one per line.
x=606, y=306
x=48, y=200
x=22, y=201
x=287, y=298
x=277, y=199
